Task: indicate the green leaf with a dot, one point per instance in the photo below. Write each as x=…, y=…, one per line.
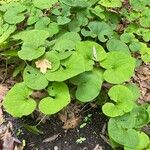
x=6, y=34
x=61, y=99
x=141, y=116
x=138, y=4
x=117, y=45
x=127, y=37
x=134, y=89
x=62, y=20
x=124, y=136
x=44, y=4
x=88, y=85
x=32, y=129
x=111, y=3
x=100, y=29
x=34, y=79
x=123, y=98
x=144, y=142
x=76, y=3
x=17, y=101
x=33, y=43
x=53, y=29
x=91, y=52
x=30, y=53
x=42, y=23
x=53, y=58
x=14, y=14
x=70, y=67
x=67, y=41
x=145, y=20
x=145, y=53
x=119, y=93
x=118, y=69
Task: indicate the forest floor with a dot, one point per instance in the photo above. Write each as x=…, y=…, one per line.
x=77, y=127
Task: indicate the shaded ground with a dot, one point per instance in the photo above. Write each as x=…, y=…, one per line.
x=59, y=139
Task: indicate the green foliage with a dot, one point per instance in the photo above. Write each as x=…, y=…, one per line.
x=17, y=102
x=123, y=98
x=118, y=68
x=50, y=105
x=72, y=49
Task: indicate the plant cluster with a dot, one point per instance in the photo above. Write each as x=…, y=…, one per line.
x=70, y=48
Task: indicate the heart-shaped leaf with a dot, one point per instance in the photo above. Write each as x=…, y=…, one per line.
x=33, y=43
x=88, y=85
x=60, y=98
x=17, y=101
x=118, y=67
x=124, y=136
x=123, y=98
x=117, y=45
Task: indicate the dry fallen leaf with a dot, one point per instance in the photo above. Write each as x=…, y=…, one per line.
x=50, y=139
x=142, y=78
x=71, y=123
x=7, y=141
x=3, y=91
x=43, y=64
x=70, y=116
x=98, y=147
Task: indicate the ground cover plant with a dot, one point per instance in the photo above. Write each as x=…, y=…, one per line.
x=69, y=49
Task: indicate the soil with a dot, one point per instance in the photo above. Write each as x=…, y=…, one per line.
x=61, y=139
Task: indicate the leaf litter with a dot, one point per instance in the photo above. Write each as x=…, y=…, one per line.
x=142, y=78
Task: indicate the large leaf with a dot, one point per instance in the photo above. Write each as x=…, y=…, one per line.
x=124, y=136
x=118, y=68
x=88, y=85
x=17, y=101
x=70, y=67
x=91, y=52
x=34, y=79
x=60, y=98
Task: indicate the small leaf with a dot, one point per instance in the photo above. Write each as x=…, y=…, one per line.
x=34, y=79
x=32, y=129
x=61, y=99
x=117, y=45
